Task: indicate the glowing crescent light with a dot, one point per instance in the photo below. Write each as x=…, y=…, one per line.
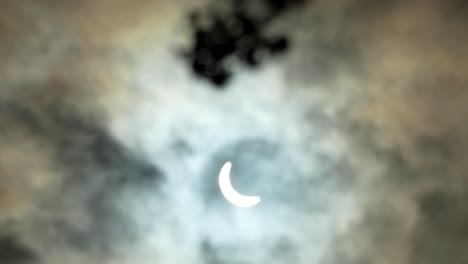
x=228, y=191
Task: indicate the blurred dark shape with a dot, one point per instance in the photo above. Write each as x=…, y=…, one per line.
x=235, y=34
x=277, y=46
x=11, y=251
x=276, y=7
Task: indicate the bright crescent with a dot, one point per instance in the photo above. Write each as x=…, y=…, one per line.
x=232, y=195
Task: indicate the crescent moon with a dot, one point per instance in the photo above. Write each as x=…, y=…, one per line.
x=228, y=191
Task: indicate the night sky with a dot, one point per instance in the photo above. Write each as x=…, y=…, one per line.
x=348, y=117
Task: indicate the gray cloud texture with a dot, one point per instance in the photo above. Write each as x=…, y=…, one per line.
x=355, y=139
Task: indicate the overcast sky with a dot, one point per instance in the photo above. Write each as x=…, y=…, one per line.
x=355, y=138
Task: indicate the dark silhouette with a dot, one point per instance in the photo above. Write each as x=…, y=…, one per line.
x=236, y=34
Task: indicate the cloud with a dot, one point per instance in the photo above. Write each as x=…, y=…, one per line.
x=355, y=139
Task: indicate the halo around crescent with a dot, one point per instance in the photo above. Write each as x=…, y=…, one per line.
x=228, y=191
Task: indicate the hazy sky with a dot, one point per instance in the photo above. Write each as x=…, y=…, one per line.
x=356, y=138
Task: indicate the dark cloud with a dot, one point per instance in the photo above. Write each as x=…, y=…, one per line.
x=441, y=232
x=99, y=173
x=13, y=252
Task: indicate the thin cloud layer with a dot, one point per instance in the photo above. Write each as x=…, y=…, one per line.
x=354, y=138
